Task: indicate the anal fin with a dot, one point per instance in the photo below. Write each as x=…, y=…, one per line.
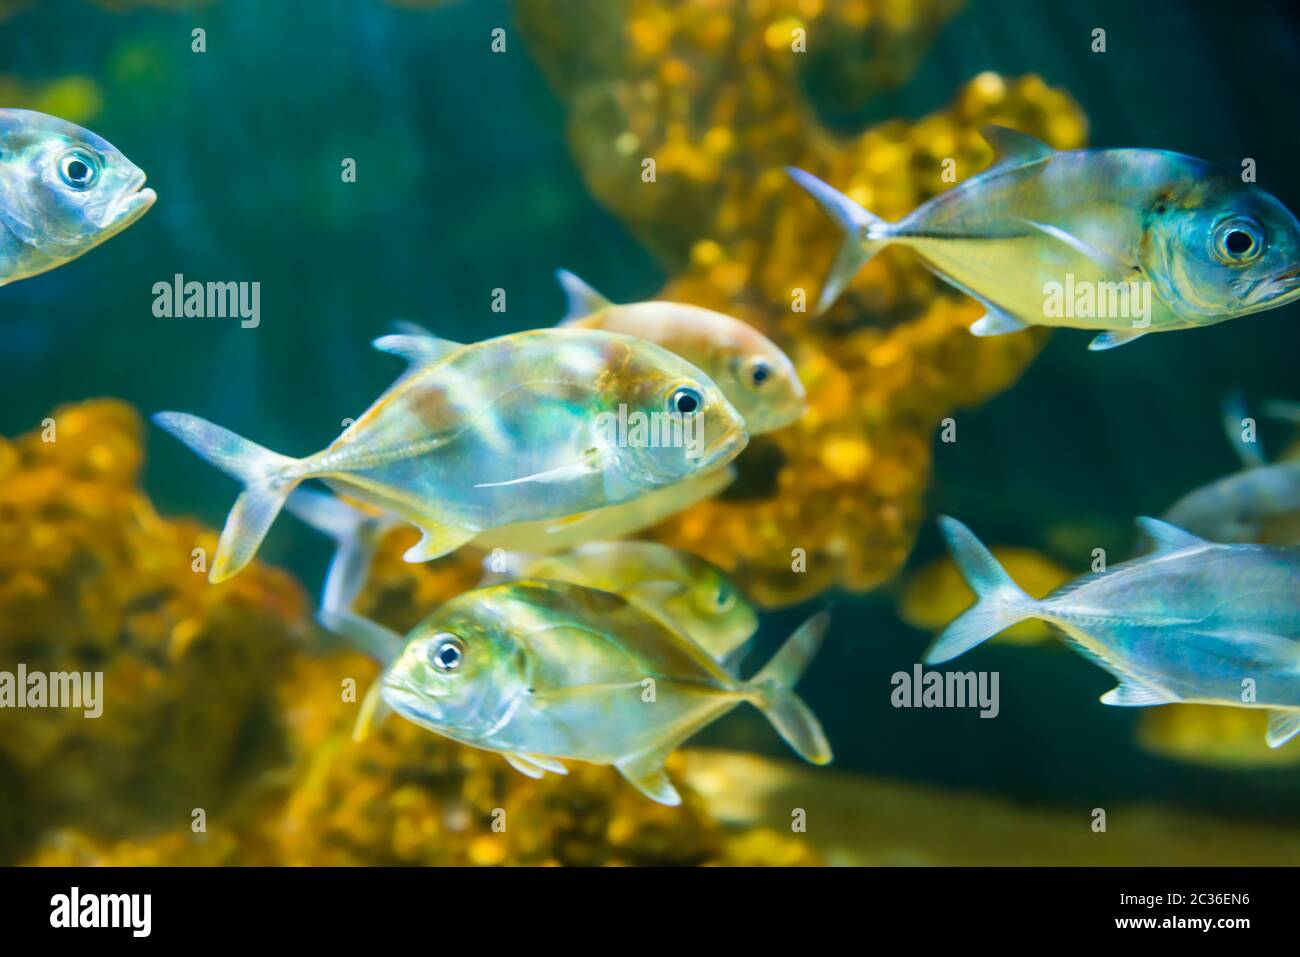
x=374, y=711
x=437, y=540
x=645, y=772
x=1129, y=694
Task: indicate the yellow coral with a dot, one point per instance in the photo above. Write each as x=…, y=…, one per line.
x=894, y=356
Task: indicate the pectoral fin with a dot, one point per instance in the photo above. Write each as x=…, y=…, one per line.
x=374, y=711
x=591, y=462
x=1106, y=260
x=1282, y=727
x=646, y=773
x=1129, y=694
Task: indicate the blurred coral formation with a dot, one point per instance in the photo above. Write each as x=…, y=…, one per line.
x=74, y=98
x=713, y=93
x=222, y=699
x=217, y=700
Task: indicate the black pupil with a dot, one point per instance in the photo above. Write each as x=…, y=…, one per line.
x=448, y=656
x=1239, y=242
x=686, y=403
x=760, y=373
x=78, y=170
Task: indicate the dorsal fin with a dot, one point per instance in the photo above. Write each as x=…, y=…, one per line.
x=418, y=350
x=1012, y=148
x=583, y=300
x=1167, y=538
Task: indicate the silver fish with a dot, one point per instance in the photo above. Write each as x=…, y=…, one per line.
x=63, y=191
x=1193, y=621
x=1128, y=241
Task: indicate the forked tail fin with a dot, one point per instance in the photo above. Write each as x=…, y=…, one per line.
x=268, y=479
x=863, y=234
x=792, y=718
x=999, y=601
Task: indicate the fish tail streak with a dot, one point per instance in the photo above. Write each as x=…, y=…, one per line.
x=774, y=687
x=268, y=479
x=999, y=601
x=865, y=234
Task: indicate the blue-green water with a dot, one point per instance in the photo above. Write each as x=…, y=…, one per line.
x=465, y=184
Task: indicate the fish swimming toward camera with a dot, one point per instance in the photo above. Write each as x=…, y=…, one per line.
x=63, y=191
x=688, y=592
x=752, y=371
x=518, y=428
x=1193, y=621
x=1123, y=241
x=545, y=672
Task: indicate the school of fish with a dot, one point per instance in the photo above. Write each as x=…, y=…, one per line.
x=546, y=448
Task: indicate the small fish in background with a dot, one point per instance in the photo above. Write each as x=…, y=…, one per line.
x=754, y=374
x=1260, y=503
x=63, y=191
x=544, y=672
x=1193, y=621
x=495, y=433
x=1163, y=235
x=687, y=592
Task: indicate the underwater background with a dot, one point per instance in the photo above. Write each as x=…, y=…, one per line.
x=481, y=170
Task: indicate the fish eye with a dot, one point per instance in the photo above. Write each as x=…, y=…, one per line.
x=447, y=652
x=78, y=169
x=685, y=401
x=759, y=372
x=1238, y=241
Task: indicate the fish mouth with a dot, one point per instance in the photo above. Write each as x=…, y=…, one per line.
x=723, y=449
x=1276, y=290
x=409, y=702
x=132, y=203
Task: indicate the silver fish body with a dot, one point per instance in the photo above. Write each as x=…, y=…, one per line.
x=1194, y=621
x=509, y=430
x=1257, y=504
x=1141, y=231
x=548, y=671
x=63, y=191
